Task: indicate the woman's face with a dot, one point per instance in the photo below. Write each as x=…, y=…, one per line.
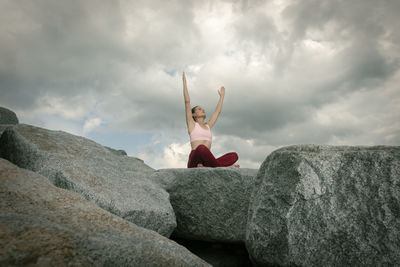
x=200, y=112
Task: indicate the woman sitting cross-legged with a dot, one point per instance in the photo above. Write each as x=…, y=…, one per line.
x=201, y=136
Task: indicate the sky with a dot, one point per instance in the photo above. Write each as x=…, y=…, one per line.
x=295, y=72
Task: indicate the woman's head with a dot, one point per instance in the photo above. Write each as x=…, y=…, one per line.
x=198, y=111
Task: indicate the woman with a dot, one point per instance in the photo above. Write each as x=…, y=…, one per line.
x=201, y=136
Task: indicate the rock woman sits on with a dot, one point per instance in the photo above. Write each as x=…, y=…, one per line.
x=201, y=136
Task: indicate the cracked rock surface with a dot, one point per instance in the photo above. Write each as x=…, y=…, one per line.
x=315, y=205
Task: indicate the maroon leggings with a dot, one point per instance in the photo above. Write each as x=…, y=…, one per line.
x=204, y=156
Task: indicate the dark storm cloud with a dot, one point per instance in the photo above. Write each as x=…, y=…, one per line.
x=361, y=25
x=54, y=49
x=65, y=48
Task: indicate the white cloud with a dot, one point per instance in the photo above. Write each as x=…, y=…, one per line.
x=174, y=155
x=56, y=105
x=91, y=124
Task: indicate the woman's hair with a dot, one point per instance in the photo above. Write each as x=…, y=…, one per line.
x=193, y=110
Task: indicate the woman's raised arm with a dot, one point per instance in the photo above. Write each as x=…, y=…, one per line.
x=188, y=110
x=185, y=90
x=218, y=109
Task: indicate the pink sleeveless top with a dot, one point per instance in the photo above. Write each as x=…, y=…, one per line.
x=199, y=133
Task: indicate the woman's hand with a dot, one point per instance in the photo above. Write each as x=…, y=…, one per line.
x=221, y=92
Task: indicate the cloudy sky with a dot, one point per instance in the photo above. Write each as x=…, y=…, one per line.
x=295, y=72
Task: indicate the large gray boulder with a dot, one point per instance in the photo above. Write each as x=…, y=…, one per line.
x=116, y=183
x=43, y=225
x=210, y=204
x=326, y=206
x=8, y=116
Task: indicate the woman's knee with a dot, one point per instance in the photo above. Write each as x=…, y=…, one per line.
x=235, y=156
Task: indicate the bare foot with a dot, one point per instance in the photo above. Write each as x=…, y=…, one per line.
x=200, y=165
x=235, y=165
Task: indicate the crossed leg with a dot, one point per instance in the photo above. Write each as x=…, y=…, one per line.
x=202, y=157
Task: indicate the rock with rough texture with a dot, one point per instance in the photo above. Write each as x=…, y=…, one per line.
x=117, y=183
x=7, y=116
x=210, y=204
x=119, y=152
x=326, y=206
x=3, y=127
x=43, y=225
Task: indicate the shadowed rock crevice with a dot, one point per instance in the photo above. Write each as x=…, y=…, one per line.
x=218, y=254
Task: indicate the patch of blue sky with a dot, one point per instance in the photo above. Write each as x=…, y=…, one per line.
x=128, y=141
x=170, y=72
